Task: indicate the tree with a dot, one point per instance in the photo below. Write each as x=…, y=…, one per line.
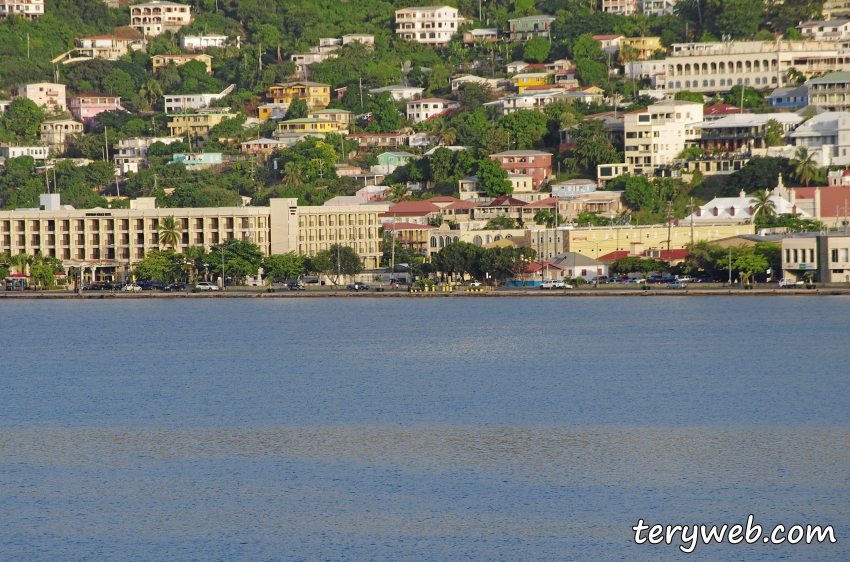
x=151, y=91
x=336, y=261
x=500, y=223
x=586, y=47
x=397, y=193
x=23, y=118
x=749, y=263
x=43, y=275
x=738, y=18
x=792, y=222
x=757, y=174
x=169, y=232
x=593, y=147
x=792, y=34
x=536, y=50
x=241, y=258
x=590, y=73
x=442, y=162
x=525, y=127
x=157, y=265
x=686, y=95
x=752, y=98
x=548, y=218
x=292, y=175
x=774, y=135
x=501, y=264
x=762, y=204
x=492, y=179
x=119, y=83
x=297, y=109
x=472, y=95
x=639, y=192
x=458, y=259
x=804, y=165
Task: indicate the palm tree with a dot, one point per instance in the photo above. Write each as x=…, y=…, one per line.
x=292, y=174
x=762, y=204
x=804, y=165
x=151, y=90
x=397, y=193
x=196, y=255
x=20, y=263
x=447, y=135
x=169, y=232
x=545, y=217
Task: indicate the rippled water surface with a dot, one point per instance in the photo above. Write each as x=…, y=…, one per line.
x=419, y=429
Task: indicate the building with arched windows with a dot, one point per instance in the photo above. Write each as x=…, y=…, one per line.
x=718, y=67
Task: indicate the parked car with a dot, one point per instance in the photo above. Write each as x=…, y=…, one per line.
x=555, y=285
x=475, y=284
x=178, y=286
x=635, y=282
x=788, y=283
x=295, y=286
x=207, y=286
x=357, y=286
x=132, y=288
x=677, y=284
x=158, y=285
x=685, y=278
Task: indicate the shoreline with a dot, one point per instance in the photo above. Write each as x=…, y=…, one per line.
x=29, y=295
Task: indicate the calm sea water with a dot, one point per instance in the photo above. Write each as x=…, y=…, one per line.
x=408, y=429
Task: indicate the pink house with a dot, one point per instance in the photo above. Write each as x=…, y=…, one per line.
x=85, y=107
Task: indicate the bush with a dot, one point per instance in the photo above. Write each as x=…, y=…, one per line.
x=423, y=283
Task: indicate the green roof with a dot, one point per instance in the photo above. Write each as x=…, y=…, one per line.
x=832, y=78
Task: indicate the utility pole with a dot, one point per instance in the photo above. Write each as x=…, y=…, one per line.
x=691, y=208
x=46, y=181
x=730, y=266
x=28, y=45
x=361, y=93
x=669, y=222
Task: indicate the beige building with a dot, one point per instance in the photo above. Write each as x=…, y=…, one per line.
x=656, y=135
x=27, y=9
x=827, y=258
x=645, y=46
x=45, y=94
x=196, y=125
x=111, y=241
x=109, y=47
x=161, y=61
x=55, y=133
x=717, y=67
x=154, y=18
x=429, y=25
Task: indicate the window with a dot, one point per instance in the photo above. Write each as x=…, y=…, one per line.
x=796, y=260
x=812, y=255
x=834, y=257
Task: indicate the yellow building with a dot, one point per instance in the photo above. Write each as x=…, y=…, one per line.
x=597, y=242
x=317, y=96
x=309, y=125
x=645, y=46
x=161, y=61
x=269, y=110
x=196, y=124
x=341, y=116
x=523, y=81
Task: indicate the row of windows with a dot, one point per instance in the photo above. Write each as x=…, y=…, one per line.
x=334, y=220
x=800, y=255
x=724, y=82
x=124, y=224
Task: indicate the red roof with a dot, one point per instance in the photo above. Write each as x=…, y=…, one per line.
x=668, y=255
x=636, y=111
x=830, y=197
x=537, y=266
x=359, y=135
x=535, y=65
x=462, y=205
x=93, y=95
x=443, y=199
x=723, y=109
x=505, y=200
x=614, y=256
x=15, y=275
x=543, y=203
x=406, y=226
x=411, y=209
x=603, y=37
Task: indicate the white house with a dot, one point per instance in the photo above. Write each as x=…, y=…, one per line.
x=154, y=18
x=429, y=25
x=182, y=102
x=734, y=210
x=29, y=9
x=470, y=79
x=399, y=93
x=201, y=42
x=422, y=110
x=835, y=30
x=37, y=152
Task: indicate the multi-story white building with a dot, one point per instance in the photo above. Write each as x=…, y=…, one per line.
x=108, y=242
x=56, y=133
x=154, y=18
x=656, y=135
x=422, y=110
x=430, y=25
x=184, y=102
x=27, y=9
x=201, y=42
x=45, y=94
x=658, y=7
x=835, y=30
x=717, y=67
x=620, y=7
x=109, y=47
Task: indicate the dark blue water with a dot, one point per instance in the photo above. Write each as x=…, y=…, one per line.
x=408, y=429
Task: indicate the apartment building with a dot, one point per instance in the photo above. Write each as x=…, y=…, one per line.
x=422, y=110
x=717, y=67
x=56, y=133
x=620, y=7
x=429, y=25
x=197, y=125
x=201, y=42
x=311, y=125
x=836, y=9
x=656, y=135
x=646, y=47
x=317, y=95
x=161, y=61
x=45, y=94
x=742, y=132
x=109, y=47
x=89, y=105
x=185, y=102
x=831, y=91
x=341, y=116
x=532, y=163
x=826, y=256
x=137, y=147
x=154, y=18
x=37, y=152
x=27, y=9
x=108, y=242
x=523, y=29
